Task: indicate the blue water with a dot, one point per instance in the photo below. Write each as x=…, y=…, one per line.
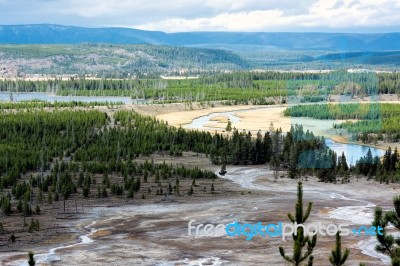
x=353, y=152
x=44, y=96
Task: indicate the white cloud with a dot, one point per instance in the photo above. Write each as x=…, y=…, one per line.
x=328, y=14
x=210, y=15
x=240, y=21
x=353, y=13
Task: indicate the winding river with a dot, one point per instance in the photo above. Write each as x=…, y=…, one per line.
x=353, y=152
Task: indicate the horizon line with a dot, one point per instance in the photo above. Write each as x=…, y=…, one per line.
x=199, y=31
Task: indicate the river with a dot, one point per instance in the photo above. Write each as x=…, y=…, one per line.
x=44, y=96
x=353, y=152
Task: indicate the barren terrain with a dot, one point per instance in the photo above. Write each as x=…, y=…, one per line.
x=157, y=233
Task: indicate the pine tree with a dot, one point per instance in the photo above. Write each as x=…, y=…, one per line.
x=26, y=208
x=343, y=162
x=223, y=170
x=37, y=210
x=293, y=170
x=388, y=244
x=40, y=196
x=267, y=148
x=130, y=192
x=177, y=186
x=49, y=199
x=394, y=160
x=387, y=160
x=56, y=197
x=86, y=191
x=31, y=260
x=6, y=205
x=170, y=188
x=337, y=259
x=104, y=192
x=229, y=126
x=299, y=239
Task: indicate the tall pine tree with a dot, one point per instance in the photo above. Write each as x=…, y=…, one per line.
x=300, y=240
x=388, y=244
x=338, y=258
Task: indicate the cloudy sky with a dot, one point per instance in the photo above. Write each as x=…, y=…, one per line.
x=210, y=15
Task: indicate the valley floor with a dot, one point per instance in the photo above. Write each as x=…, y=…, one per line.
x=153, y=231
x=156, y=233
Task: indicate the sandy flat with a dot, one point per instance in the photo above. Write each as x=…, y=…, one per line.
x=261, y=119
x=185, y=117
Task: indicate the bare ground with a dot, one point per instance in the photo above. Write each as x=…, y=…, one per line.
x=156, y=233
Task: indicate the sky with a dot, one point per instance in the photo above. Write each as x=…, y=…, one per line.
x=210, y=15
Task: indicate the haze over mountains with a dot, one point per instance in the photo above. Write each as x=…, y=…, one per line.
x=57, y=34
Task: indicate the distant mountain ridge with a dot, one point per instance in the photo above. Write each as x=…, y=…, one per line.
x=58, y=34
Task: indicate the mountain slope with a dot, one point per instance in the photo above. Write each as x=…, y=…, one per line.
x=55, y=34
x=369, y=58
x=113, y=58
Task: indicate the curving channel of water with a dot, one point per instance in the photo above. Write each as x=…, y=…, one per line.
x=353, y=152
x=51, y=256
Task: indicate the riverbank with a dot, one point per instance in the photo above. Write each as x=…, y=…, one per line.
x=380, y=145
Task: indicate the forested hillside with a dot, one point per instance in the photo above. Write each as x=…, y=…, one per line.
x=370, y=58
x=125, y=60
x=58, y=34
x=113, y=60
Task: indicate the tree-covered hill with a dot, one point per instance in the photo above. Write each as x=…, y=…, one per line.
x=108, y=58
x=58, y=34
x=371, y=58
